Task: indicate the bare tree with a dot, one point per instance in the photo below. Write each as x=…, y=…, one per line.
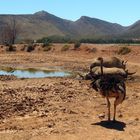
x=10, y=31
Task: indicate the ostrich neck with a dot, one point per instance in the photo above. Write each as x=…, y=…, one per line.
x=101, y=67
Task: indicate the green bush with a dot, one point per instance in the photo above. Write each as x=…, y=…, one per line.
x=45, y=41
x=65, y=48
x=46, y=44
x=77, y=45
x=124, y=50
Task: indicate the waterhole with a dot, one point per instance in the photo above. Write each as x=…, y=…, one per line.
x=32, y=72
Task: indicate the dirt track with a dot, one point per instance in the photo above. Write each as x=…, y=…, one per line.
x=65, y=108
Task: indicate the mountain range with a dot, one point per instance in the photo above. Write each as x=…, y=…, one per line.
x=43, y=24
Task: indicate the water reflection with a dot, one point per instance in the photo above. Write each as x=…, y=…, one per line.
x=32, y=73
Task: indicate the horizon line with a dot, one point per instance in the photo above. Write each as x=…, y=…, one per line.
x=16, y=14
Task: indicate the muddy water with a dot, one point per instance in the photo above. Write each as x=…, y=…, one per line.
x=32, y=73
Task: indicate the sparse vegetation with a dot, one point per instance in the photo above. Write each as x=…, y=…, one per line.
x=30, y=48
x=124, y=50
x=56, y=39
x=45, y=41
x=23, y=47
x=47, y=48
x=109, y=41
x=11, y=48
x=46, y=44
x=77, y=45
x=7, y=69
x=65, y=48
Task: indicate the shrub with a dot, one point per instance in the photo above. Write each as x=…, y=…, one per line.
x=23, y=47
x=124, y=50
x=46, y=44
x=11, y=48
x=77, y=45
x=30, y=48
x=45, y=41
x=47, y=48
x=65, y=48
x=56, y=39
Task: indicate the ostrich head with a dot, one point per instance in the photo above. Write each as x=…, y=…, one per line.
x=101, y=62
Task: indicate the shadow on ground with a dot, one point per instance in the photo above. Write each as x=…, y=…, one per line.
x=117, y=125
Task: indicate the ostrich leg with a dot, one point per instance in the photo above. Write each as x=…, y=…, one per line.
x=115, y=105
x=118, y=101
x=108, y=106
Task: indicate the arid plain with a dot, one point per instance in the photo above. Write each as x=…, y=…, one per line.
x=65, y=108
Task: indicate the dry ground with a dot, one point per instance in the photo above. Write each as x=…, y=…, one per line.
x=65, y=108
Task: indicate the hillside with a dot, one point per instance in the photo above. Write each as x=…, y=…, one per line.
x=92, y=27
x=42, y=24
x=133, y=31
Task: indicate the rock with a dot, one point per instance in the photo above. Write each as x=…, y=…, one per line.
x=120, y=115
x=136, y=119
x=50, y=124
x=101, y=116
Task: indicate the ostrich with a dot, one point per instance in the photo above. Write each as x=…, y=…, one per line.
x=110, y=85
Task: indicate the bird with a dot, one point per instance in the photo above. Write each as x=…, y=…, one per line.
x=110, y=85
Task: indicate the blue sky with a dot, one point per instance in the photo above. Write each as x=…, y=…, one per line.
x=124, y=12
